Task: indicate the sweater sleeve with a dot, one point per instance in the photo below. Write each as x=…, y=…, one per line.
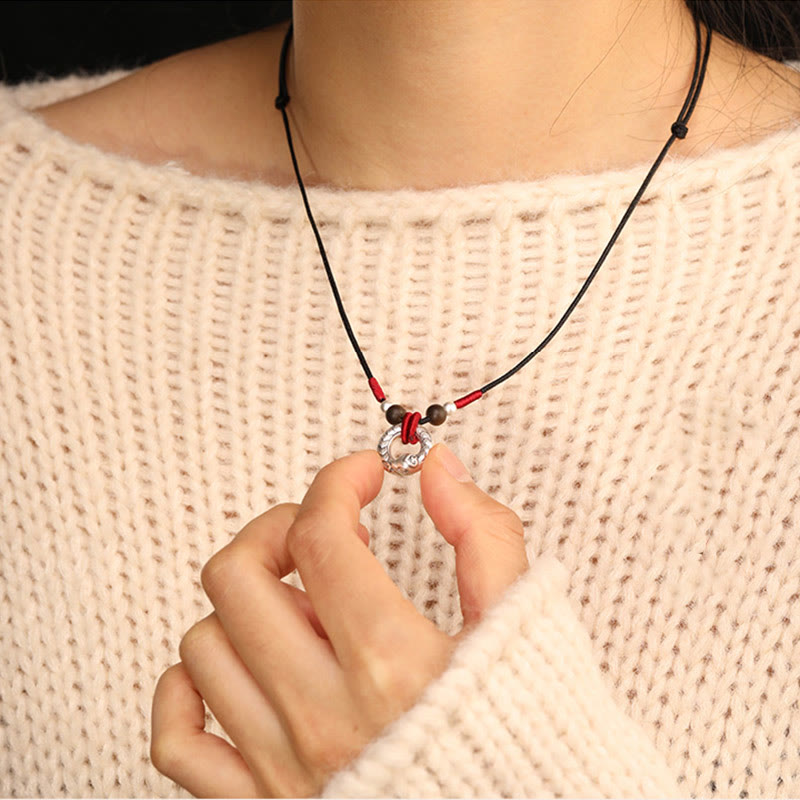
x=521, y=711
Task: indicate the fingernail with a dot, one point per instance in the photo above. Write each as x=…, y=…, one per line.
x=452, y=464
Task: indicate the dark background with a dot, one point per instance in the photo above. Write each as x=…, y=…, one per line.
x=58, y=38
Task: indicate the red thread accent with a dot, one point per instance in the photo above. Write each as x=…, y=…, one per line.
x=376, y=390
x=412, y=428
x=404, y=428
x=468, y=398
x=408, y=431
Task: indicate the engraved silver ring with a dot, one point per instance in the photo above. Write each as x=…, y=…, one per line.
x=410, y=462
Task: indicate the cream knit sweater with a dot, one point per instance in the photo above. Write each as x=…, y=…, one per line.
x=172, y=364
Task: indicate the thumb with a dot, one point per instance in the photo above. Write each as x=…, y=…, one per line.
x=487, y=536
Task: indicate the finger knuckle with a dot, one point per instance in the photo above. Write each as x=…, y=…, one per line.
x=220, y=571
x=285, y=778
x=167, y=751
x=395, y=666
x=506, y=521
x=379, y=674
x=321, y=745
x=381, y=681
x=305, y=542
x=166, y=755
x=278, y=511
x=197, y=641
x=289, y=508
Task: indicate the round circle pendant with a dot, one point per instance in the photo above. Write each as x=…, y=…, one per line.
x=408, y=463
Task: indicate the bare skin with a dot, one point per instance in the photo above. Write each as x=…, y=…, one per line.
x=432, y=94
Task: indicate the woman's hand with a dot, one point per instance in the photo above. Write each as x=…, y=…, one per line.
x=303, y=681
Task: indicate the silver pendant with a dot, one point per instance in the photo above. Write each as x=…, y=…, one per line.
x=409, y=463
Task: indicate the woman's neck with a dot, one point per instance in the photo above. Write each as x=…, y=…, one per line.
x=404, y=93
x=428, y=94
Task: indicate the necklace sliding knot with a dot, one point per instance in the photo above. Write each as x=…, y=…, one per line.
x=679, y=130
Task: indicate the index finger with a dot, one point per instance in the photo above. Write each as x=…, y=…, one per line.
x=350, y=591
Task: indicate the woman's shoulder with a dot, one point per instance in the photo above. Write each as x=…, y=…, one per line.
x=110, y=117
x=195, y=108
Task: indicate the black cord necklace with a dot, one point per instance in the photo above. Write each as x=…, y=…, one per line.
x=407, y=424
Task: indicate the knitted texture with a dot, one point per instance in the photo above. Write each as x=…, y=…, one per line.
x=539, y=720
x=172, y=364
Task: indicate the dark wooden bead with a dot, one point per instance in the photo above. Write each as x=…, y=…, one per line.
x=436, y=413
x=395, y=414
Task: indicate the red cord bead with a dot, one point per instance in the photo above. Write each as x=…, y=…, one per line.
x=376, y=390
x=468, y=398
